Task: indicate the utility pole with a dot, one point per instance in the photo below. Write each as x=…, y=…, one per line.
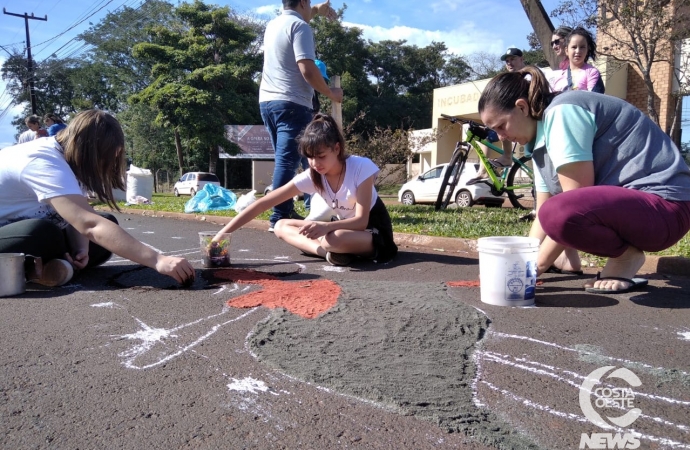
x=543, y=28
x=30, y=63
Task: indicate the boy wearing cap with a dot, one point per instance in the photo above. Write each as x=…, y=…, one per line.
x=513, y=59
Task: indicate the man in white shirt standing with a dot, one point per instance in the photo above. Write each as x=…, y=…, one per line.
x=289, y=79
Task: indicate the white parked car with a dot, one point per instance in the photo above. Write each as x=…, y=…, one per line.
x=424, y=188
x=191, y=182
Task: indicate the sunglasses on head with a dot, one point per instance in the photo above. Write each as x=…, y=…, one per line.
x=556, y=42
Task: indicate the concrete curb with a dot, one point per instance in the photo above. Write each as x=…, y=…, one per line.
x=666, y=265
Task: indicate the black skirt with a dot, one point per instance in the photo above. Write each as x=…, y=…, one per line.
x=381, y=229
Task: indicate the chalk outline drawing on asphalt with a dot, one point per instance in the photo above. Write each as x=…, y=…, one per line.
x=573, y=379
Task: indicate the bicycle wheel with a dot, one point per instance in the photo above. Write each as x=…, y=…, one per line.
x=523, y=196
x=447, y=187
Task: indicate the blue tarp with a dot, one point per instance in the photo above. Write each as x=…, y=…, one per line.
x=211, y=198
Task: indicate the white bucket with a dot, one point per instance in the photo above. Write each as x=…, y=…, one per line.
x=508, y=270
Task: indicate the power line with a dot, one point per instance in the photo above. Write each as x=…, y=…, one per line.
x=73, y=48
x=74, y=25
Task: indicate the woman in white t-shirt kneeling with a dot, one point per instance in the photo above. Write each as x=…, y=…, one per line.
x=44, y=211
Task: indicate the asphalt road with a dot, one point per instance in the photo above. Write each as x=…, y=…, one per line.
x=123, y=358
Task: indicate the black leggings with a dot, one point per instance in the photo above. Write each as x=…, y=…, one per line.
x=39, y=237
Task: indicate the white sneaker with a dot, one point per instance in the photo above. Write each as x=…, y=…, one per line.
x=55, y=272
x=339, y=259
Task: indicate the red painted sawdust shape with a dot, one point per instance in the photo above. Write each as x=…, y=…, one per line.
x=474, y=283
x=307, y=299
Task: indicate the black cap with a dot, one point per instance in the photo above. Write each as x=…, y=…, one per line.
x=512, y=51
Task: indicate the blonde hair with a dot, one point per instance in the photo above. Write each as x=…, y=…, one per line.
x=94, y=147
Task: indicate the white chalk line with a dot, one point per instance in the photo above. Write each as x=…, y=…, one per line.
x=152, y=336
x=503, y=359
x=250, y=385
x=562, y=347
x=578, y=418
x=477, y=377
x=111, y=305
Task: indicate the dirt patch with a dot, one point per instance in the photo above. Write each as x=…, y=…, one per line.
x=407, y=346
x=307, y=299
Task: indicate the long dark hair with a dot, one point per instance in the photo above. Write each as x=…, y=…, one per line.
x=507, y=88
x=321, y=132
x=54, y=117
x=94, y=148
x=591, y=44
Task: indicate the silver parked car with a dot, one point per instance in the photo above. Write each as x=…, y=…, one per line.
x=191, y=182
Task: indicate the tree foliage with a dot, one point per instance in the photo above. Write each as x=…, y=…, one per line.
x=202, y=77
x=112, y=40
x=390, y=82
x=175, y=76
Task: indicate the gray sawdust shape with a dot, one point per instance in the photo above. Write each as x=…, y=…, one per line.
x=407, y=346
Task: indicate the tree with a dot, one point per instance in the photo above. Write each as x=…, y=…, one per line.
x=485, y=65
x=203, y=77
x=390, y=81
x=112, y=40
x=55, y=86
x=103, y=77
x=641, y=33
x=148, y=144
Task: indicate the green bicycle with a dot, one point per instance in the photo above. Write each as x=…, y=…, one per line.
x=517, y=182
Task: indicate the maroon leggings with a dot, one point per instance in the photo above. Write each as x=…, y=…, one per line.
x=606, y=220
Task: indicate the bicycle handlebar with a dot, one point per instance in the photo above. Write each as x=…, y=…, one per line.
x=480, y=131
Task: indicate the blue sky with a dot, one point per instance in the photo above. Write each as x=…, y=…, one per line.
x=464, y=26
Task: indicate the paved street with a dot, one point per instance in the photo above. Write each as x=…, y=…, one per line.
x=124, y=358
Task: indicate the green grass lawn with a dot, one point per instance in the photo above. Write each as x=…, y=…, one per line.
x=468, y=223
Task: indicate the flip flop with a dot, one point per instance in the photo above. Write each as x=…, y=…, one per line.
x=634, y=283
x=554, y=269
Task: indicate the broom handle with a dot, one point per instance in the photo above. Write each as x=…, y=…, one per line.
x=337, y=108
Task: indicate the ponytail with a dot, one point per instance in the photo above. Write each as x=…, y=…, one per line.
x=507, y=88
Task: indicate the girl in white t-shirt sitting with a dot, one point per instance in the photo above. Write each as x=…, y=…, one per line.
x=355, y=222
